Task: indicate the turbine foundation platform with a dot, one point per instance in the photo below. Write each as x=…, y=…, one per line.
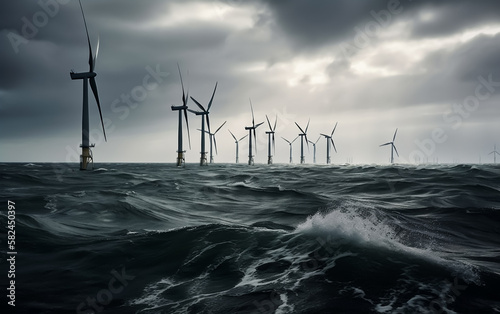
x=86, y=159
x=203, y=159
x=180, y=159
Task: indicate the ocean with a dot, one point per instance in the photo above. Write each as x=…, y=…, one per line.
x=233, y=238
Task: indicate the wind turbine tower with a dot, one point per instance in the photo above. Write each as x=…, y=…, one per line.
x=270, y=137
x=393, y=147
x=290, y=143
x=182, y=109
x=88, y=77
x=204, y=115
x=302, y=136
x=495, y=153
x=213, y=141
x=237, y=144
x=328, y=140
x=250, y=128
x=314, y=148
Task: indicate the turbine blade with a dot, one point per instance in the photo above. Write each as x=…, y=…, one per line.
x=215, y=144
x=199, y=105
x=220, y=127
x=251, y=107
x=395, y=135
x=93, y=86
x=91, y=63
x=96, y=53
x=208, y=123
x=243, y=137
x=233, y=135
x=395, y=149
x=334, y=128
x=317, y=139
x=324, y=135
x=307, y=127
x=286, y=140
x=187, y=127
x=255, y=138
x=333, y=144
x=212, y=98
x=184, y=97
x=275, y=121
x=256, y=126
x=269, y=123
x=299, y=128
x=192, y=111
x=295, y=139
x=385, y=144
x=274, y=144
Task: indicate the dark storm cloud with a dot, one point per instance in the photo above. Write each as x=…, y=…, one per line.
x=453, y=16
x=452, y=74
x=327, y=22
x=255, y=57
x=321, y=23
x=480, y=56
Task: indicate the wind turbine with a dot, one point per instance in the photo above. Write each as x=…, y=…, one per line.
x=270, y=136
x=302, y=136
x=495, y=153
x=237, y=144
x=212, y=139
x=290, y=143
x=204, y=115
x=328, y=140
x=88, y=77
x=314, y=148
x=185, y=96
x=393, y=148
x=250, y=128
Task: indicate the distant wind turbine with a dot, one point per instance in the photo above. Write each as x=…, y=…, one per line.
x=270, y=137
x=328, y=140
x=88, y=77
x=185, y=96
x=393, y=147
x=213, y=141
x=302, y=136
x=203, y=113
x=290, y=143
x=314, y=148
x=495, y=153
x=237, y=144
x=250, y=128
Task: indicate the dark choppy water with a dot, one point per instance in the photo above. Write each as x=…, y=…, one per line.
x=151, y=238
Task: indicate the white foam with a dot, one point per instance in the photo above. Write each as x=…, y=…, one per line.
x=355, y=222
x=351, y=223
x=284, y=308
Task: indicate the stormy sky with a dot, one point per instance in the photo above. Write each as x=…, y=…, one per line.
x=429, y=68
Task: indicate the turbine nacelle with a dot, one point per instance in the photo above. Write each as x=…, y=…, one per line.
x=82, y=75
x=179, y=107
